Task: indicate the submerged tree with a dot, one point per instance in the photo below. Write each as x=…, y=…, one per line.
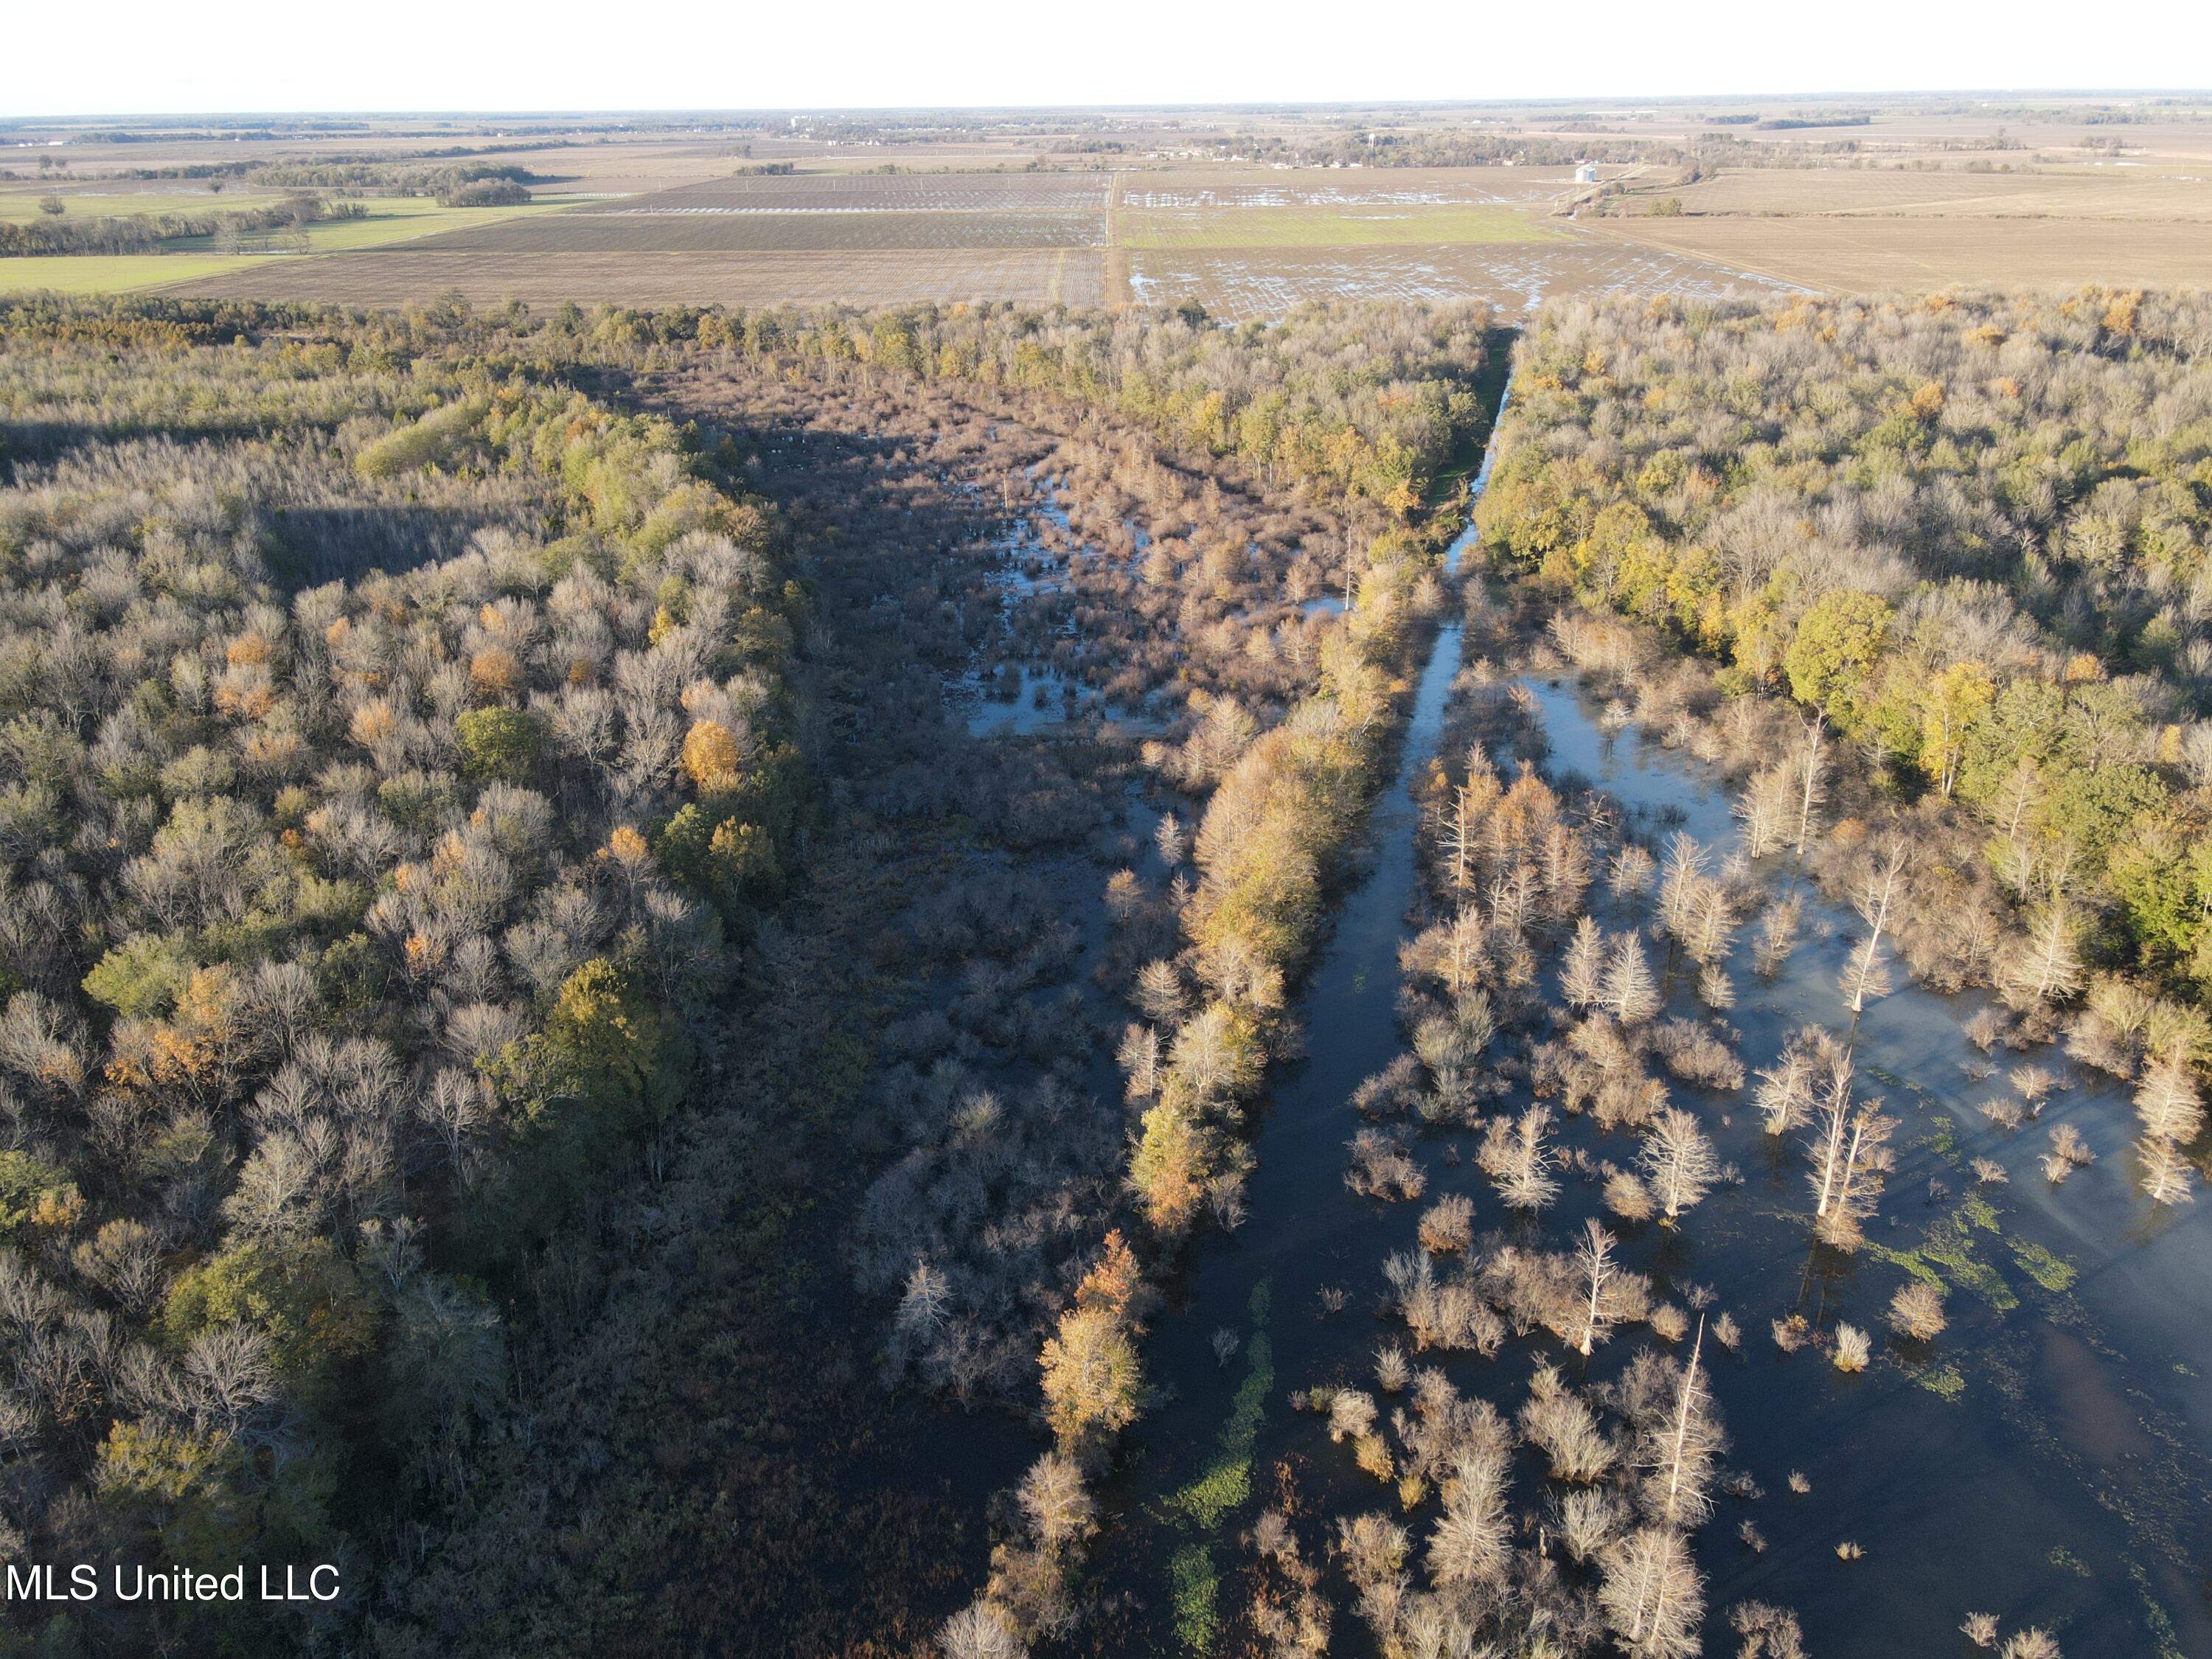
x=1778, y=934
x=1681, y=1440
x=1849, y=1155
x=1516, y=1155
x=1471, y=1542
x=1630, y=994
x=1683, y=882
x=1766, y=810
x=1678, y=1162
x=1654, y=1596
x=2045, y=966
x=1582, y=970
x=1811, y=781
x=2173, y=1114
x=1093, y=1379
x=1607, y=1293
x=1784, y=1096
x=1866, y=975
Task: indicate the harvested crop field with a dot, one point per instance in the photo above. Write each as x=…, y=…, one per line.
x=1410, y=224
x=1516, y=277
x=861, y=276
x=2101, y=193
x=879, y=193
x=1210, y=189
x=1855, y=253
x=713, y=230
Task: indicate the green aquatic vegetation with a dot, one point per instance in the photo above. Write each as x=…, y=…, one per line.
x=2054, y=1273
x=2066, y=1561
x=1910, y=1260
x=1227, y=1480
x=1197, y=1591
x=1221, y=1488
x=2155, y=1615
x=1979, y=1277
x=1947, y=1252
x=1945, y=1381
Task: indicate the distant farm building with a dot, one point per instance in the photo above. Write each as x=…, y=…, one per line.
x=1586, y=173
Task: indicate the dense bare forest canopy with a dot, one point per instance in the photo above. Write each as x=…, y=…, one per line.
x=1367, y=403
x=1968, y=533
x=398, y=751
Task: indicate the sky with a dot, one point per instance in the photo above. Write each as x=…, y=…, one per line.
x=160, y=56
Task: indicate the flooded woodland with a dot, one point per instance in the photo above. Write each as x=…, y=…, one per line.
x=2028, y=1452
x=1384, y=1408
x=2043, y=1455
x=1341, y=987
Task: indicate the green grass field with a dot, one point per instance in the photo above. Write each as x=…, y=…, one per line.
x=116, y=273
x=403, y=218
x=19, y=204
x=1326, y=227
x=399, y=219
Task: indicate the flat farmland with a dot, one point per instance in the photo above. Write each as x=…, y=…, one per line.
x=671, y=216
x=613, y=168
x=2079, y=193
x=1072, y=277
x=19, y=202
x=1515, y=276
x=668, y=230
x=1212, y=189
x=1248, y=244
x=878, y=192
x=1378, y=224
x=122, y=273
x=407, y=218
x=1852, y=253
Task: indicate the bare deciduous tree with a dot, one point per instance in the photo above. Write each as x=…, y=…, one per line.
x=1678, y=1162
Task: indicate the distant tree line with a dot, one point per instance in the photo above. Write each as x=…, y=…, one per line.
x=149, y=232
x=385, y=178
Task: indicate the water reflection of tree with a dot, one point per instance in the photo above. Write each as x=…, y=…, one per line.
x=1829, y=1273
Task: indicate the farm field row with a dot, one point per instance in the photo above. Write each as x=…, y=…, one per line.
x=2107, y=193
x=1209, y=189
x=860, y=276
x=403, y=218
x=1385, y=225
x=1516, y=277
x=813, y=230
x=882, y=192
x=1244, y=241
x=1848, y=254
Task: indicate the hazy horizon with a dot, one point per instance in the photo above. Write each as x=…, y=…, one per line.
x=159, y=61
x=1248, y=107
